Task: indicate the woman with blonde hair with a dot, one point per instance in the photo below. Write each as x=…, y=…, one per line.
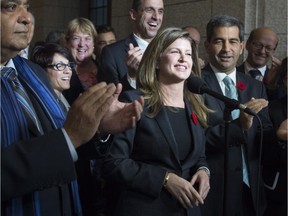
x=159, y=167
x=80, y=37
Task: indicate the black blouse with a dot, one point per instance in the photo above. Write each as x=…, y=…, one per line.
x=179, y=122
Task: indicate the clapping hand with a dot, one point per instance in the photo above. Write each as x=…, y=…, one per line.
x=256, y=105
x=121, y=116
x=98, y=104
x=133, y=59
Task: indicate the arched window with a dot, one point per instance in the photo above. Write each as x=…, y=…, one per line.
x=100, y=12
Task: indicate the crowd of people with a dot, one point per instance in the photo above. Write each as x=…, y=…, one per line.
x=95, y=126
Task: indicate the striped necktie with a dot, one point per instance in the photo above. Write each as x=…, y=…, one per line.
x=256, y=74
x=230, y=91
x=22, y=97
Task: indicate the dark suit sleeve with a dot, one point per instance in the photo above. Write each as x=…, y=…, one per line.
x=108, y=67
x=36, y=164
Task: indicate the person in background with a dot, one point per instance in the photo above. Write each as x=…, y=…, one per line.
x=106, y=35
x=38, y=141
x=159, y=167
x=275, y=87
x=195, y=35
x=80, y=36
x=81, y=39
x=25, y=52
x=235, y=187
x=57, y=62
x=124, y=56
x=275, y=151
x=57, y=37
x=261, y=45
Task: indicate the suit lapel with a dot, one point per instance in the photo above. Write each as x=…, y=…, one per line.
x=194, y=131
x=242, y=96
x=165, y=126
x=266, y=75
x=212, y=82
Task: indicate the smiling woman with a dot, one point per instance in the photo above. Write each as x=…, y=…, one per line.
x=80, y=37
x=56, y=61
x=167, y=172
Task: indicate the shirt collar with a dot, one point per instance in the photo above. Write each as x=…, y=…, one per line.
x=221, y=75
x=141, y=43
x=11, y=64
x=248, y=67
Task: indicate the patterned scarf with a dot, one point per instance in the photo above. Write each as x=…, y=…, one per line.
x=14, y=126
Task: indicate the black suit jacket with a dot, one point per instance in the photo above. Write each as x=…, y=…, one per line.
x=42, y=163
x=138, y=160
x=113, y=68
x=215, y=147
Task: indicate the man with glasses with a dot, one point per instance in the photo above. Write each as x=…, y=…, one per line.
x=261, y=46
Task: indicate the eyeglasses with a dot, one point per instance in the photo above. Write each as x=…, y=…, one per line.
x=259, y=46
x=61, y=66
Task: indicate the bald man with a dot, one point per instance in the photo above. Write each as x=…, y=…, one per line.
x=261, y=46
x=195, y=35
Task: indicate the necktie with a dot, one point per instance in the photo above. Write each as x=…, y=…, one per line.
x=22, y=97
x=256, y=74
x=230, y=91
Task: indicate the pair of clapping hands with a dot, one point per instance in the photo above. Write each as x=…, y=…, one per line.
x=98, y=107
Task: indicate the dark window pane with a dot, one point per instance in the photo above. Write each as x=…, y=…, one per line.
x=99, y=12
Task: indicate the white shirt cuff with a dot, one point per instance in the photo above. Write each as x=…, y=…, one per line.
x=71, y=147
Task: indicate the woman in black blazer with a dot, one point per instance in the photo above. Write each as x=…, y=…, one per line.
x=159, y=167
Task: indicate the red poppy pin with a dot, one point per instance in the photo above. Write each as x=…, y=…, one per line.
x=241, y=85
x=194, y=119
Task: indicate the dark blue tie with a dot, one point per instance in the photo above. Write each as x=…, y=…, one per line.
x=256, y=74
x=22, y=97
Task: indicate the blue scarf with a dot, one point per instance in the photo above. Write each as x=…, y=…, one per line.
x=14, y=126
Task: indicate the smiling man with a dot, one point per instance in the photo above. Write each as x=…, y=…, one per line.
x=123, y=57
x=237, y=190
x=261, y=46
x=261, y=63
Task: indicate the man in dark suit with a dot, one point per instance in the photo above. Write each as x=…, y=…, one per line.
x=229, y=190
x=124, y=56
x=261, y=46
x=38, y=154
